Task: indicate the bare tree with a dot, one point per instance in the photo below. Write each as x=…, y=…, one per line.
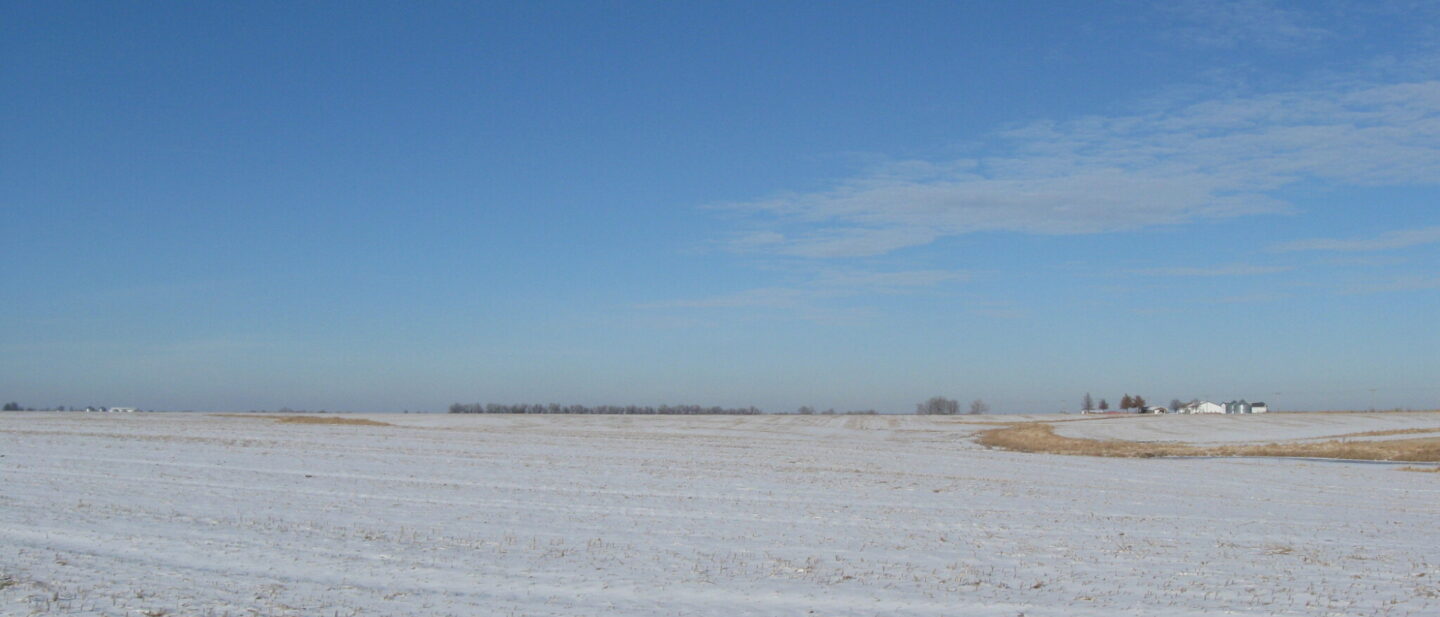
x=1138, y=402
x=1104, y=405
x=1175, y=404
x=938, y=406
x=555, y=408
x=806, y=410
x=1088, y=404
x=978, y=407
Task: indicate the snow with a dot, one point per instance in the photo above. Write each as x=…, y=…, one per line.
x=1251, y=428
x=191, y=514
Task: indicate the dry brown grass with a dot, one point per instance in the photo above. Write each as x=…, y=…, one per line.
x=1041, y=437
x=1398, y=431
x=1421, y=469
x=327, y=420
x=305, y=419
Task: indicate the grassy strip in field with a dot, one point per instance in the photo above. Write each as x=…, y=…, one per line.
x=1041, y=437
x=307, y=419
x=329, y=420
x=1398, y=431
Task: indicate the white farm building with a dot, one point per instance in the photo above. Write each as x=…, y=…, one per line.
x=1240, y=406
x=1202, y=407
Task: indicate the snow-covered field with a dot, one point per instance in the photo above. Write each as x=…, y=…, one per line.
x=1252, y=428
x=188, y=514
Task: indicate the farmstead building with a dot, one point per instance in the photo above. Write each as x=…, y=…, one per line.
x=1203, y=407
x=1240, y=406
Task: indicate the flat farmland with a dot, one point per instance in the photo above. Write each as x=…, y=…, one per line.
x=206, y=514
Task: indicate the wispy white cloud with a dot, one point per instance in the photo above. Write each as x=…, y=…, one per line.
x=1364, y=261
x=886, y=282
x=761, y=297
x=828, y=285
x=1398, y=239
x=1257, y=298
x=1000, y=313
x=1404, y=283
x=1226, y=270
x=1184, y=163
x=1231, y=24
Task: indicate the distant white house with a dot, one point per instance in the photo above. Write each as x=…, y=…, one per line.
x=1203, y=407
x=1156, y=409
x=1240, y=406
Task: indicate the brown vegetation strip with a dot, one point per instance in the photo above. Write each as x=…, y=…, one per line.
x=1041, y=437
x=1398, y=431
x=305, y=419
x=328, y=420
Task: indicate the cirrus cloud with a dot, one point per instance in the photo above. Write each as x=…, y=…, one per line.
x=1203, y=160
x=826, y=286
x=1399, y=239
x=1227, y=270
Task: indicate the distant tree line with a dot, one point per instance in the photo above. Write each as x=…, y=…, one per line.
x=13, y=406
x=1126, y=402
x=941, y=406
x=806, y=410
x=638, y=410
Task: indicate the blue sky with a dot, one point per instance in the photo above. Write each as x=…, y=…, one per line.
x=387, y=206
